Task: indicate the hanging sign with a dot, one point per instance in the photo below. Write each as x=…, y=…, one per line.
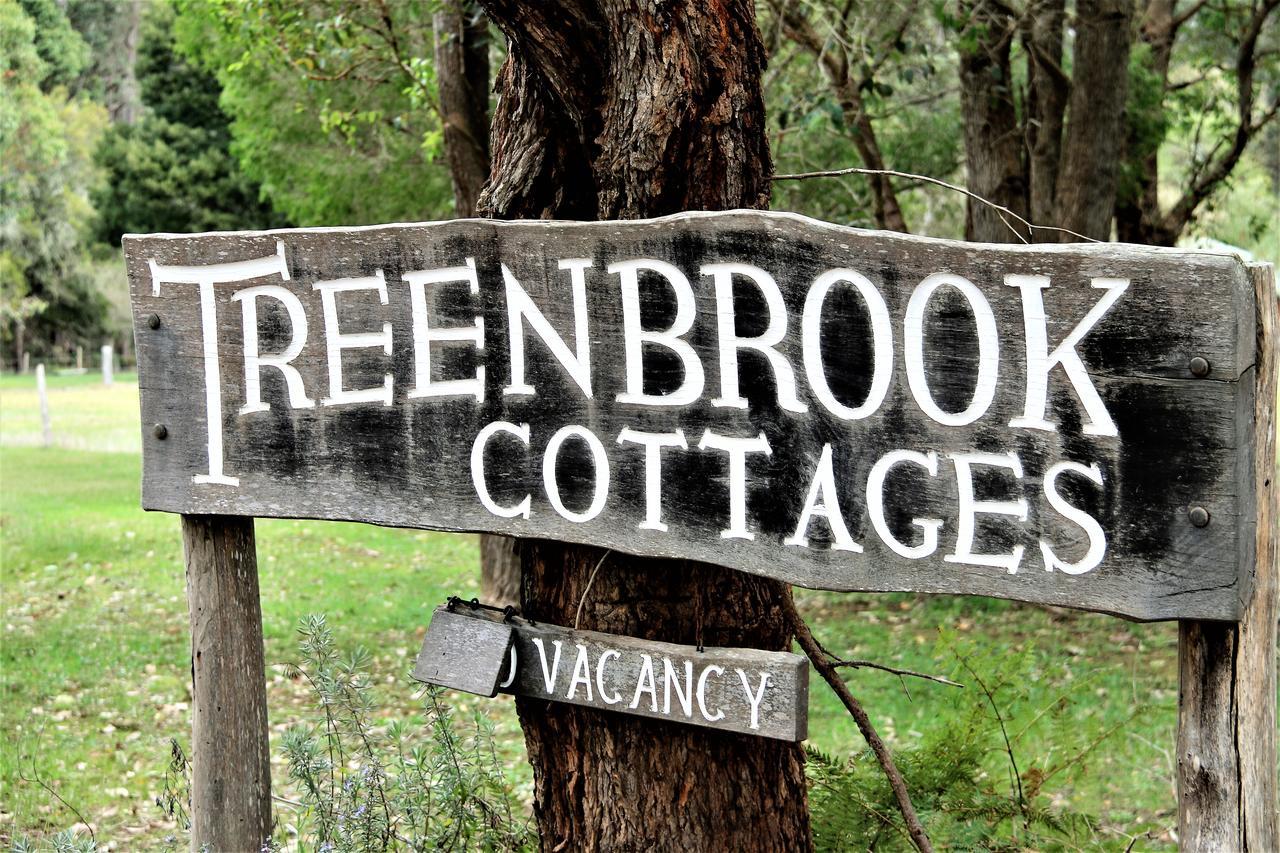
x=735, y=690
x=834, y=408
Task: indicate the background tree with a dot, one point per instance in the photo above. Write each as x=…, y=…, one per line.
x=49, y=298
x=173, y=170
x=360, y=141
x=1066, y=111
x=111, y=29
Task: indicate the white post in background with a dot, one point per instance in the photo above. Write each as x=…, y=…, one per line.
x=43, y=393
x=79, y=358
x=108, y=363
x=26, y=363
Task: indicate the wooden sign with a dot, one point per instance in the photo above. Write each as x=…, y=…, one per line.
x=464, y=653
x=735, y=690
x=833, y=408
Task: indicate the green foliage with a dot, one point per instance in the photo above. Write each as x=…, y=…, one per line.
x=966, y=774
x=333, y=104
x=1146, y=122
x=61, y=49
x=67, y=841
x=47, y=293
x=173, y=171
x=914, y=109
x=369, y=784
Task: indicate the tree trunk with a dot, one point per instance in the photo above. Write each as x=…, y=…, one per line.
x=1047, y=88
x=462, y=75
x=499, y=570
x=20, y=344
x=617, y=109
x=1137, y=203
x=992, y=138
x=1095, y=127
x=834, y=60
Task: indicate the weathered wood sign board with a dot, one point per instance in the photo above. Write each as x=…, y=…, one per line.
x=736, y=690
x=463, y=652
x=834, y=408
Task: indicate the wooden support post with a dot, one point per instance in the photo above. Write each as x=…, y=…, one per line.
x=42, y=392
x=1227, y=696
x=231, y=774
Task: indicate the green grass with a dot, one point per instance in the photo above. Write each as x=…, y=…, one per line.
x=94, y=665
x=84, y=414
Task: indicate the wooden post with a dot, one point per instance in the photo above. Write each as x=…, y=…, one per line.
x=108, y=363
x=231, y=774
x=1227, y=697
x=79, y=358
x=42, y=391
x=26, y=362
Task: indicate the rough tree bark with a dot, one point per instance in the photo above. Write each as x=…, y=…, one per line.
x=616, y=109
x=462, y=77
x=499, y=570
x=992, y=136
x=1095, y=128
x=1047, y=90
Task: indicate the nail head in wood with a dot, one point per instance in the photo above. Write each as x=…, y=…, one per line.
x=1199, y=516
x=1199, y=367
x=160, y=431
x=153, y=321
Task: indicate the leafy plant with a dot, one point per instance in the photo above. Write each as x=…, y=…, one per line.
x=964, y=774
x=431, y=782
x=67, y=841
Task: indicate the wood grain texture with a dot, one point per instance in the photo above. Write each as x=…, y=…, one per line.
x=747, y=691
x=231, y=770
x=1179, y=443
x=463, y=653
x=1227, y=700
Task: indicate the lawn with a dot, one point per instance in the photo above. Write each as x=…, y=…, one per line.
x=94, y=662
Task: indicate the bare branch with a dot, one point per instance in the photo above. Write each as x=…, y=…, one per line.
x=999, y=208
x=835, y=64
x=822, y=663
x=870, y=664
x=1187, y=14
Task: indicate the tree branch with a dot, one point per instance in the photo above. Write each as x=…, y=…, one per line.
x=835, y=67
x=869, y=664
x=999, y=208
x=1206, y=180
x=827, y=670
